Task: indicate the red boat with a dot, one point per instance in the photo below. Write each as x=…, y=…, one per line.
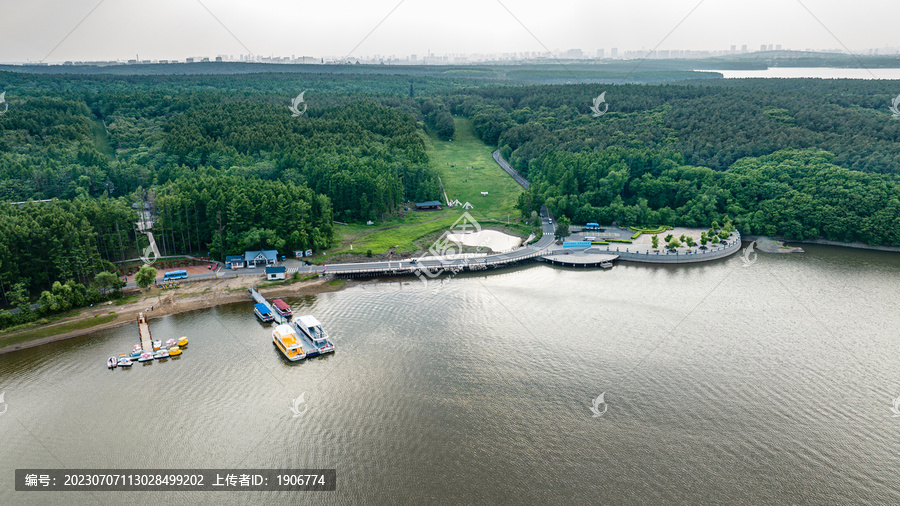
x=282, y=308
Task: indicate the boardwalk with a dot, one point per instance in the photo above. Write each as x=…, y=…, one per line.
x=144, y=327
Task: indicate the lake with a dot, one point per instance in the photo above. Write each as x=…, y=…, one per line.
x=770, y=383
x=812, y=72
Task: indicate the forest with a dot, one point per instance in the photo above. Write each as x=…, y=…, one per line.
x=793, y=158
x=228, y=168
x=225, y=170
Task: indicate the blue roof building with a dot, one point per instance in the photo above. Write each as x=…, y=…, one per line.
x=234, y=261
x=275, y=272
x=262, y=257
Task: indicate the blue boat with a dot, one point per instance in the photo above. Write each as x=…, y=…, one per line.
x=263, y=312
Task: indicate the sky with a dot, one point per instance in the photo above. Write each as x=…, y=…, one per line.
x=57, y=30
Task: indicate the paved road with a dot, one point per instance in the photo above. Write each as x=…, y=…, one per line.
x=508, y=168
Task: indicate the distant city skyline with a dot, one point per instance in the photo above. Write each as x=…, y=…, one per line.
x=92, y=30
x=573, y=54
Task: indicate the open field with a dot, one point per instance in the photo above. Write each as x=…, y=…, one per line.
x=414, y=231
x=452, y=160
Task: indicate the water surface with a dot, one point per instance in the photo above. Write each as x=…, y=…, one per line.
x=771, y=383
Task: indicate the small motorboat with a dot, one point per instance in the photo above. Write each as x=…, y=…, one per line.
x=157, y=345
x=170, y=343
x=125, y=362
x=111, y=362
x=136, y=353
x=161, y=354
x=137, y=347
x=174, y=351
x=146, y=357
x=183, y=342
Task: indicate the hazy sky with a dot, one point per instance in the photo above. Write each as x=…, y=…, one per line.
x=167, y=29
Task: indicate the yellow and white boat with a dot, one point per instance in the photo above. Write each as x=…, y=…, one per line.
x=285, y=340
x=174, y=351
x=183, y=342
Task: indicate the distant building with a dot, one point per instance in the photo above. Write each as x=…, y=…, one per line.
x=600, y=53
x=273, y=273
x=614, y=52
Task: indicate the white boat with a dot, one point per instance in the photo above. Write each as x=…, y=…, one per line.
x=146, y=357
x=161, y=354
x=313, y=332
x=286, y=341
x=157, y=345
x=125, y=362
x=111, y=363
x=170, y=343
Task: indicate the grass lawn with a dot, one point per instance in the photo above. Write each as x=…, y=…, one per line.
x=452, y=160
x=416, y=230
x=52, y=330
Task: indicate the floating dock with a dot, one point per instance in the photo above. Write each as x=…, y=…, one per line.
x=144, y=328
x=586, y=258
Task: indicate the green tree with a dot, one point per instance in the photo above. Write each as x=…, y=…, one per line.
x=562, y=228
x=704, y=238
x=654, y=242
x=145, y=276
x=674, y=243
x=108, y=281
x=668, y=238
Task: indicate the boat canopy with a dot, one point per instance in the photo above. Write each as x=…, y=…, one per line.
x=262, y=308
x=309, y=321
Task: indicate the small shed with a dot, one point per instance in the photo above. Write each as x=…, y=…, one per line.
x=234, y=262
x=273, y=273
x=431, y=204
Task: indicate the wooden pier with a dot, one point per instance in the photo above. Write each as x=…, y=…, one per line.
x=144, y=327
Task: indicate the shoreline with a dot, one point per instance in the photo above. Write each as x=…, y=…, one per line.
x=200, y=295
x=826, y=242
x=169, y=304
